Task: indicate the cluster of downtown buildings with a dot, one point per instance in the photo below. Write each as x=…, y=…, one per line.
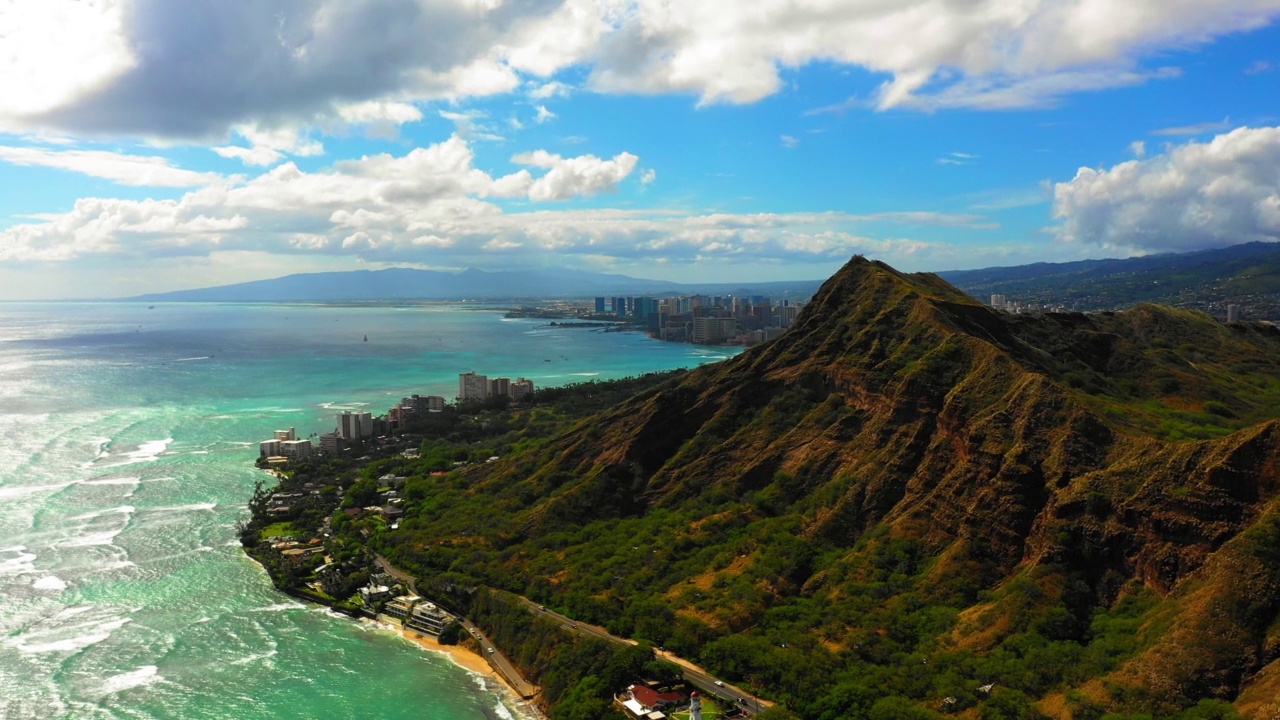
x=355, y=427
x=705, y=319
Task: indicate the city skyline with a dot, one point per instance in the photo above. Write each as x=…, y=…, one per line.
x=147, y=149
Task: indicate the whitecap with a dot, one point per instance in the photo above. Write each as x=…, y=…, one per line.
x=145, y=675
x=501, y=711
x=279, y=607
x=23, y=564
x=194, y=507
x=50, y=582
x=102, y=537
x=113, y=481
x=255, y=657
x=90, y=633
x=123, y=510
x=585, y=374
x=193, y=359
x=18, y=491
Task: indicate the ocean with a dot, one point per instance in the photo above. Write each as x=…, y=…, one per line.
x=127, y=439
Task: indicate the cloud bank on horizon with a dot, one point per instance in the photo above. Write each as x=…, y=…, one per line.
x=214, y=141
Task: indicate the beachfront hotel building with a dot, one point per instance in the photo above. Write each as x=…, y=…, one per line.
x=472, y=387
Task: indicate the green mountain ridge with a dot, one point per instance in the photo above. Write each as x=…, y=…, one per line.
x=909, y=497
x=1247, y=275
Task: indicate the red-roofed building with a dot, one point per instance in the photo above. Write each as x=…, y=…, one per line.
x=654, y=700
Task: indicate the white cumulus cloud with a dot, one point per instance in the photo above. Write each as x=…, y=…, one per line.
x=198, y=68
x=1201, y=194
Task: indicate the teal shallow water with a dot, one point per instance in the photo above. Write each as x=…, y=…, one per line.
x=128, y=436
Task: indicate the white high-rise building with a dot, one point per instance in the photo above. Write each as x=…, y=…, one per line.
x=296, y=449
x=1233, y=313
x=997, y=302
x=269, y=448
x=472, y=387
x=283, y=435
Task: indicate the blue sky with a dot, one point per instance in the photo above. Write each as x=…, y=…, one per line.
x=147, y=147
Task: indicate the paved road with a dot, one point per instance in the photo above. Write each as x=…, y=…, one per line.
x=391, y=570
x=693, y=675
x=708, y=683
x=497, y=660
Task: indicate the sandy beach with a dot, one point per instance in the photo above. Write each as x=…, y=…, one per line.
x=471, y=661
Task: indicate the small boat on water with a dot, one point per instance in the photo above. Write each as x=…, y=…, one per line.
x=366, y=338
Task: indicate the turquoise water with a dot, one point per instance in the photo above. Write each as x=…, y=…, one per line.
x=128, y=437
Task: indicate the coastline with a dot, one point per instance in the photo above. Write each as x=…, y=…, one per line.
x=474, y=663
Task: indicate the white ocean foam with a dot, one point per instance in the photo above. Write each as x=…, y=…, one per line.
x=117, y=565
x=585, y=374
x=72, y=611
x=501, y=711
x=145, y=675
x=150, y=450
x=199, y=452
x=113, y=481
x=50, y=582
x=123, y=510
x=86, y=634
x=255, y=657
x=22, y=564
x=193, y=359
x=194, y=507
x=279, y=607
x=102, y=451
x=17, y=491
x=102, y=537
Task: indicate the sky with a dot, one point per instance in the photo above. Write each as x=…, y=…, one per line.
x=154, y=145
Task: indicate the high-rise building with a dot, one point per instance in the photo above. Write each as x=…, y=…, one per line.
x=355, y=425
x=997, y=301
x=599, y=304
x=330, y=442
x=296, y=449
x=289, y=434
x=499, y=386
x=713, y=329
x=520, y=389
x=472, y=387
x=269, y=448
x=1233, y=313
x=787, y=315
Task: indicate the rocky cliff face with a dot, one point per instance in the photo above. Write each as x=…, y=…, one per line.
x=1097, y=457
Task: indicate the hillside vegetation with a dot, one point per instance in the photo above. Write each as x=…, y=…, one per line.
x=910, y=506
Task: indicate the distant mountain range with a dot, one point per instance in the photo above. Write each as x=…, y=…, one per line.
x=1248, y=275
x=413, y=284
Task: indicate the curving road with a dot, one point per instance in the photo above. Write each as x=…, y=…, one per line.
x=496, y=659
x=692, y=674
